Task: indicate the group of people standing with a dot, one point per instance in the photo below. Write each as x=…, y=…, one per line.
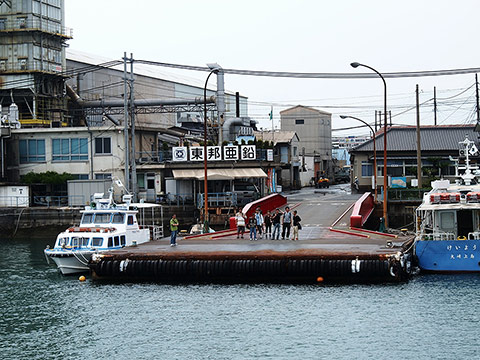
x=259, y=224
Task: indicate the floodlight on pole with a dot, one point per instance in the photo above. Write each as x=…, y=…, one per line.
x=374, y=151
x=385, y=178
x=214, y=69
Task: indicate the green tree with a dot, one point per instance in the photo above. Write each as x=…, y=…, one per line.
x=49, y=177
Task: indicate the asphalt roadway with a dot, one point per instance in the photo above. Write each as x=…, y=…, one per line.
x=322, y=207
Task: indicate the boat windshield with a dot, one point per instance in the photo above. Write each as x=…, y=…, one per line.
x=118, y=218
x=97, y=241
x=87, y=218
x=79, y=241
x=102, y=218
x=62, y=241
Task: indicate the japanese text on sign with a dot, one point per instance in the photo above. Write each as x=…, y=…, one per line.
x=216, y=153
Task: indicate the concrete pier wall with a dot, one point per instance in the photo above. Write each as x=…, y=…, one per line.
x=13, y=220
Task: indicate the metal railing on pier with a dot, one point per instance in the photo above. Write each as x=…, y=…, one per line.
x=58, y=200
x=406, y=194
x=218, y=200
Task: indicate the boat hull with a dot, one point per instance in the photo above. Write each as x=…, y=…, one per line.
x=448, y=255
x=71, y=263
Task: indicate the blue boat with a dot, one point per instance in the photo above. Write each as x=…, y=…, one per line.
x=448, y=220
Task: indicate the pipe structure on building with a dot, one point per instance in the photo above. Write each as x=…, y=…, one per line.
x=220, y=101
x=147, y=102
x=138, y=103
x=228, y=124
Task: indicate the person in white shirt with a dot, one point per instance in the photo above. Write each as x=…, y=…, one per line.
x=240, y=221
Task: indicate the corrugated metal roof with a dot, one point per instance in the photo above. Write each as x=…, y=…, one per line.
x=432, y=138
x=156, y=72
x=281, y=137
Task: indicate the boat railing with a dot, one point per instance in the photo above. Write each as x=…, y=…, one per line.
x=439, y=236
x=474, y=235
x=156, y=231
x=444, y=236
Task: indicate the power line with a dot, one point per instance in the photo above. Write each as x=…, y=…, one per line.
x=300, y=75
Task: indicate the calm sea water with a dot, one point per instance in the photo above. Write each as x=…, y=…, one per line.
x=44, y=315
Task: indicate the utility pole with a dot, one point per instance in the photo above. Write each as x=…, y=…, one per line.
x=435, y=105
x=273, y=127
x=478, y=102
x=125, y=122
x=419, y=151
x=132, y=116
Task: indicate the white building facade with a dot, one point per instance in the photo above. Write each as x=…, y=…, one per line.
x=95, y=153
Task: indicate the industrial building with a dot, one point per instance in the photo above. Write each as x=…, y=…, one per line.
x=314, y=129
x=32, y=61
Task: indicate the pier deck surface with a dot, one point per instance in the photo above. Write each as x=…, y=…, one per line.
x=318, y=210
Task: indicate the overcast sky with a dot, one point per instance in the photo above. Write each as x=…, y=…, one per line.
x=301, y=36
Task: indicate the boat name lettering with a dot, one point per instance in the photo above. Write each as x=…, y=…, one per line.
x=459, y=247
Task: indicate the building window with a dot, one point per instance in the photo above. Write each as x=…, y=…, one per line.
x=367, y=169
x=69, y=149
x=294, y=151
x=103, y=145
x=22, y=22
x=103, y=176
x=32, y=151
x=299, y=121
x=80, y=176
x=141, y=181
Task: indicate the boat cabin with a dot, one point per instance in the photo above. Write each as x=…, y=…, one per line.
x=450, y=212
x=102, y=218
x=88, y=241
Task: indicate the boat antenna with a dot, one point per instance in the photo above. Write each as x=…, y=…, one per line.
x=468, y=149
x=119, y=183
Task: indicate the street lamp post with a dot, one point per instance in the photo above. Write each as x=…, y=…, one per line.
x=385, y=183
x=374, y=151
x=205, y=188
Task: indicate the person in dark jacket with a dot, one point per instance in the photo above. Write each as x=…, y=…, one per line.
x=296, y=225
x=276, y=220
x=252, y=225
x=268, y=225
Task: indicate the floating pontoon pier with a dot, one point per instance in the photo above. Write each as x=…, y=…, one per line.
x=322, y=255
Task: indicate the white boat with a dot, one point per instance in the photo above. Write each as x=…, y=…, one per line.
x=104, y=226
x=448, y=220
